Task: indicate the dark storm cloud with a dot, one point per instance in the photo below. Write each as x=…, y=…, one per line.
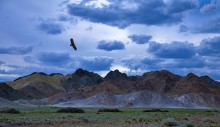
x=15, y=50
x=110, y=45
x=174, y=50
x=96, y=63
x=147, y=12
x=183, y=28
x=210, y=47
x=140, y=39
x=51, y=28
x=212, y=26
x=53, y=58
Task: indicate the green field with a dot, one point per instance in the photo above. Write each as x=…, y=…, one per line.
x=129, y=117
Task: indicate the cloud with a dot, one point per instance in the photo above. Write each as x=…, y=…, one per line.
x=209, y=8
x=67, y=18
x=58, y=59
x=210, y=47
x=179, y=6
x=140, y=39
x=95, y=63
x=63, y=60
x=6, y=77
x=110, y=45
x=195, y=62
x=124, y=13
x=15, y=50
x=51, y=27
x=53, y=58
x=174, y=50
x=26, y=70
x=183, y=28
x=144, y=63
x=212, y=26
x=51, y=65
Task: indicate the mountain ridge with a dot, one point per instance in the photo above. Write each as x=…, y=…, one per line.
x=58, y=88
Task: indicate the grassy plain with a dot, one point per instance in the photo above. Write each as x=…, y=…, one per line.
x=128, y=117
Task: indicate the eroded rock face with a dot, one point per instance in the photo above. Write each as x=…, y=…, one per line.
x=200, y=100
x=135, y=99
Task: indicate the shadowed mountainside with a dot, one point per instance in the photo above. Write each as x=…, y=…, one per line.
x=9, y=93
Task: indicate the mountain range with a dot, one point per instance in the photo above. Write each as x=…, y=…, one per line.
x=85, y=88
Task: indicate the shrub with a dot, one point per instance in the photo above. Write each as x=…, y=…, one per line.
x=70, y=110
x=155, y=110
x=170, y=122
x=11, y=111
x=108, y=110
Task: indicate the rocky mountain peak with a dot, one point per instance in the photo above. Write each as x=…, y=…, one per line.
x=82, y=78
x=191, y=76
x=81, y=72
x=161, y=74
x=39, y=73
x=116, y=74
x=54, y=74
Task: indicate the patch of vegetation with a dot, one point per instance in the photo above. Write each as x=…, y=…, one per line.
x=170, y=122
x=189, y=124
x=70, y=110
x=11, y=111
x=155, y=110
x=212, y=111
x=109, y=110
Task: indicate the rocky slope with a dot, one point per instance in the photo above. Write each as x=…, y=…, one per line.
x=6, y=103
x=194, y=84
x=54, y=80
x=200, y=100
x=135, y=99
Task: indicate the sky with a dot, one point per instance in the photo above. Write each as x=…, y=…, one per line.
x=133, y=36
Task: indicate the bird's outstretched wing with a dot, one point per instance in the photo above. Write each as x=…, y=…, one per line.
x=73, y=44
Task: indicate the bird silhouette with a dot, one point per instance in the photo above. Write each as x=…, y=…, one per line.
x=73, y=44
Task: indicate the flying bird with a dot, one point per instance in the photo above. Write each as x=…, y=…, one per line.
x=73, y=44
